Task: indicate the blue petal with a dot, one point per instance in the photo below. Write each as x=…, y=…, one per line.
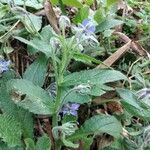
x=91, y=29
x=74, y=113
x=85, y=22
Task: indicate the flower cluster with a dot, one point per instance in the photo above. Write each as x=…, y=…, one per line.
x=70, y=109
x=4, y=65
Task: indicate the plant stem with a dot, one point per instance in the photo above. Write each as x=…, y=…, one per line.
x=57, y=105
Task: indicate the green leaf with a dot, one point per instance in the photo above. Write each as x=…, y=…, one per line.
x=94, y=76
x=87, y=143
x=4, y=146
x=100, y=15
x=69, y=143
x=8, y=49
x=76, y=97
x=30, y=43
x=8, y=107
x=73, y=3
x=88, y=2
x=54, y=2
x=81, y=14
x=46, y=33
x=98, y=124
x=10, y=130
x=37, y=44
x=32, y=23
x=110, y=3
x=29, y=144
x=132, y=105
x=85, y=58
x=29, y=3
x=29, y=96
x=40, y=43
x=108, y=24
x=43, y=143
x=3, y=10
x=36, y=72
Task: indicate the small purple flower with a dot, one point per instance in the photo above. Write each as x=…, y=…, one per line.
x=4, y=65
x=89, y=26
x=70, y=108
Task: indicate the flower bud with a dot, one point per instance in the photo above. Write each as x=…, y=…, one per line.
x=64, y=22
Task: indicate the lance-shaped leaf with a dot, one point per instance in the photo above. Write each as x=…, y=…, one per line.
x=132, y=105
x=108, y=24
x=98, y=124
x=36, y=72
x=29, y=96
x=10, y=130
x=94, y=76
x=43, y=143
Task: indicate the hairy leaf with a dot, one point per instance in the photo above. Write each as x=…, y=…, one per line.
x=37, y=44
x=10, y=130
x=108, y=24
x=99, y=124
x=4, y=146
x=95, y=76
x=132, y=105
x=43, y=143
x=8, y=107
x=29, y=144
x=30, y=3
x=74, y=3
x=32, y=22
x=82, y=14
x=29, y=96
x=36, y=72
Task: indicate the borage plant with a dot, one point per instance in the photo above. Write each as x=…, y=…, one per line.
x=58, y=104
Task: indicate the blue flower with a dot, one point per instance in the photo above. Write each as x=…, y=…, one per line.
x=70, y=109
x=89, y=26
x=4, y=65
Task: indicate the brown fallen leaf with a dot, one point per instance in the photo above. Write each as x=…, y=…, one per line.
x=51, y=16
x=135, y=46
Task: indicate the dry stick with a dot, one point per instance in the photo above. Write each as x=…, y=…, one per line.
x=50, y=14
x=115, y=56
x=134, y=45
